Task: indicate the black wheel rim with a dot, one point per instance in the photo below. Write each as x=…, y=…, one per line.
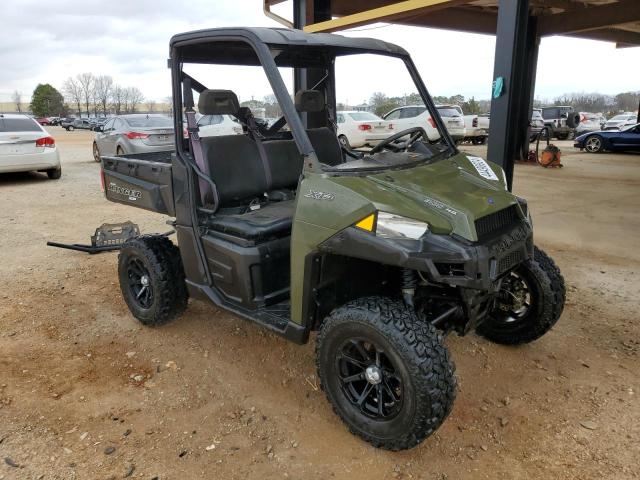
x=140, y=283
x=369, y=379
x=515, y=301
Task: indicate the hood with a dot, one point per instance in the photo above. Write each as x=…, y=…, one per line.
x=449, y=194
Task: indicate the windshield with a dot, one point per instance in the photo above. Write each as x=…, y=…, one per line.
x=150, y=122
x=342, y=119
x=391, y=95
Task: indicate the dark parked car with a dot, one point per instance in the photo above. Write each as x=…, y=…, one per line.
x=78, y=123
x=611, y=140
x=99, y=124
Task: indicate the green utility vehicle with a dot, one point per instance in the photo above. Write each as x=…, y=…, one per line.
x=381, y=252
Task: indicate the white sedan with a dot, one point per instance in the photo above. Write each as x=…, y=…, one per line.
x=218, y=125
x=26, y=146
x=359, y=129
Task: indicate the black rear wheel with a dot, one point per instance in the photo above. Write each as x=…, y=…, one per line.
x=152, y=279
x=530, y=302
x=387, y=375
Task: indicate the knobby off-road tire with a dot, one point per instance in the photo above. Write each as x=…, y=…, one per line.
x=547, y=297
x=158, y=259
x=418, y=382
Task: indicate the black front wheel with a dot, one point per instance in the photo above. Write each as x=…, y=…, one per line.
x=152, y=279
x=530, y=302
x=387, y=375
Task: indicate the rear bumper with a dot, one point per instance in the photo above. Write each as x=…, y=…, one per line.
x=29, y=162
x=476, y=132
x=137, y=146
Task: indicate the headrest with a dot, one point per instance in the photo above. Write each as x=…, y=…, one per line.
x=218, y=102
x=243, y=113
x=309, y=101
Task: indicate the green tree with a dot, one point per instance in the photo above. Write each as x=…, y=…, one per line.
x=471, y=107
x=382, y=104
x=627, y=101
x=46, y=101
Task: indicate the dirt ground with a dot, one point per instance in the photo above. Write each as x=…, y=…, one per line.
x=212, y=396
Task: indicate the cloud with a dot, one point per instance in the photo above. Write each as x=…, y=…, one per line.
x=48, y=41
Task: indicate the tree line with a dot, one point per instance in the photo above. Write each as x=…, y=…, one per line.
x=381, y=104
x=85, y=94
x=100, y=94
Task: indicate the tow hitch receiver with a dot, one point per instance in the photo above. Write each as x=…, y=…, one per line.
x=108, y=237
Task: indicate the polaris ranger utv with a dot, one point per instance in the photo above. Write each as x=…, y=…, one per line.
x=380, y=252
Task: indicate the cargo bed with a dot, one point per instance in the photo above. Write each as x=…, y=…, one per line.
x=142, y=180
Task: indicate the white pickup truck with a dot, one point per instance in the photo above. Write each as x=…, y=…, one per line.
x=476, y=133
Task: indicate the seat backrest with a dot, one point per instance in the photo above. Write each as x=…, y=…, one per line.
x=235, y=167
x=285, y=163
x=324, y=140
x=326, y=145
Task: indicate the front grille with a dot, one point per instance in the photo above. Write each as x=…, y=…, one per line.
x=496, y=221
x=509, y=261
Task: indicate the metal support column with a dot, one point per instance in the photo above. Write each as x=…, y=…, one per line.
x=308, y=12
x=515, y=64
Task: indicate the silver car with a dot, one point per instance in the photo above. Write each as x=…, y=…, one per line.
x=138, y=133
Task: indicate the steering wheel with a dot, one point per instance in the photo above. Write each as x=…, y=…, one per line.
x=392, y=142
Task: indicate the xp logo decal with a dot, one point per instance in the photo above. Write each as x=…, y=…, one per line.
x=320, y=195
x=432, y=202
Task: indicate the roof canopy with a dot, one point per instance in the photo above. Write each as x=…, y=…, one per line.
x=233, y=46
x=609, y=20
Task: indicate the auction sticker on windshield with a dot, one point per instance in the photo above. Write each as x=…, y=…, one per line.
x=483, y=168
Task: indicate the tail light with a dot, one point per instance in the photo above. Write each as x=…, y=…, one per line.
x=136, y=135
x=474, y=123
x=432, y=122
x=185, y=133
x=364, y=127
x=102, y=181
x=46, y=142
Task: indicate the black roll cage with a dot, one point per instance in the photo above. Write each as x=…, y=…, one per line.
x=266, y=60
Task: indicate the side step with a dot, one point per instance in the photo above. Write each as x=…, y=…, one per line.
x=276, y=318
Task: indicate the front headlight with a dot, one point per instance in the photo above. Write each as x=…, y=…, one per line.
x=388, y=225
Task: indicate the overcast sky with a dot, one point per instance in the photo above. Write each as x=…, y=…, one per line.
x=47, y=41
